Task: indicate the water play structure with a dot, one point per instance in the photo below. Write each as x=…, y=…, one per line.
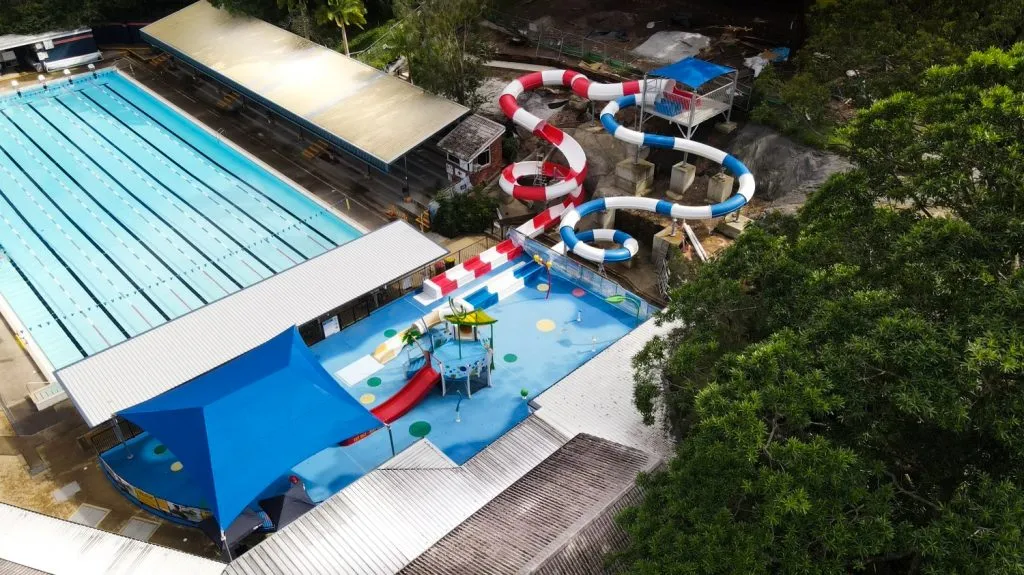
x=568, y=180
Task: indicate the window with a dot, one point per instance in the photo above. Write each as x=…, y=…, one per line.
x=483, y=159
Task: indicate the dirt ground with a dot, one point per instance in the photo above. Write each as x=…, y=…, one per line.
x=755, y=24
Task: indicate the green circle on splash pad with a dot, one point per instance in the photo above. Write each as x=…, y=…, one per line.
x=373, y=381
x=510, y=358
x=390, y=333
x=160, y=449
x=419, y=429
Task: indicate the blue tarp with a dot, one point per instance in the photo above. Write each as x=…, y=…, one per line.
x=243, y=425
x=692, y=72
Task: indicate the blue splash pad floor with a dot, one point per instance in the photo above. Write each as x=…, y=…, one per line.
x=537, y=342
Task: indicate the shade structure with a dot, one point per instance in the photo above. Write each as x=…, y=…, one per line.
x=241, y=426
x=285, y=508
x=692, y=72
x=245, y=525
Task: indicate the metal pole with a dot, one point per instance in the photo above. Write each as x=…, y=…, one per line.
x=391, y=438
x=120, y=438
x=640, y=120
x=405, y=168
x=227, y=548
x=732, y=95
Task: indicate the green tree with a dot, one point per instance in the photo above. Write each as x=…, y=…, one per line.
x=864, y=50
x=298, y=14
x=470, y=213
x=846, y=384
x=446, y=50
x=342, y=13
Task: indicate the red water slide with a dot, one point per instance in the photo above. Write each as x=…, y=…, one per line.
x=400, y=403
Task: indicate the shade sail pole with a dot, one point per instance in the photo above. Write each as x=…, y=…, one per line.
x=227, y=548
x=391, y=438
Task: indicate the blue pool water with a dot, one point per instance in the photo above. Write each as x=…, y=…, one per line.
x=537, y=342
x=118, y=214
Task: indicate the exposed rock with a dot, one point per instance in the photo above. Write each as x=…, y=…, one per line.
x=785, y=171
x=603, y=151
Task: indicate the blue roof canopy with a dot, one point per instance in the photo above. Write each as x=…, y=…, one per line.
x=240, y=426
x=692, y=72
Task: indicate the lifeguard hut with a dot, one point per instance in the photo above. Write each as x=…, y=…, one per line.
x=696, y=91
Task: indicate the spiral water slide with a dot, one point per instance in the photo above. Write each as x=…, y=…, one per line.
x=568, y=180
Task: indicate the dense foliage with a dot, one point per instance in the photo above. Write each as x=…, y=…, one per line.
x=848, y=384
x=446, y=52
x=862, y=50
x=462, y=214
x=36, y=16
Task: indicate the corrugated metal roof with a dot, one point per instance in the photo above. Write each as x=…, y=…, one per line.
x=420, y=455
x=573, y=484
x=379, y=114
x=171, y=354
x=583, y=551
x=597, y=398
x=471, y=137
x=12, y=568
x=384, y=520
x=11, y=41
x=64, y=548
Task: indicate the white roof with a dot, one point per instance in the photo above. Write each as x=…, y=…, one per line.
x=379, y=114
x=388, y=517
x=597, y=398
x=11, y=41
x=60, y=547
x=173, y=353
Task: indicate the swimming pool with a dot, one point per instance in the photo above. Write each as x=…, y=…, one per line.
x=118, y=214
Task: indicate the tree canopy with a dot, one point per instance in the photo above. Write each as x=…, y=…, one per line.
x=863, y=50
x=446, y=52
x=847, y=384
x=36, y=16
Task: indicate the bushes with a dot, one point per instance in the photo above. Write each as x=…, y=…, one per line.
x=460, y=214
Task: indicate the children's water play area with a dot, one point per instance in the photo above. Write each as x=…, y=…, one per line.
x=459, y=371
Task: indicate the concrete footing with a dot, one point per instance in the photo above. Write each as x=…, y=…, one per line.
x=683, y=175
x=733, y=226
x=636, y=177
x=725, y=127
x=719, y=188
x=665, y=243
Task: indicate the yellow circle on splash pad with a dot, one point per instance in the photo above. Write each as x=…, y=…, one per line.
x=177, y=466
x=546, y=325
x=543, y=287
x=367, y=398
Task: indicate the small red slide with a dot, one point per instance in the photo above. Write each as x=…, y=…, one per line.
x=400, y=403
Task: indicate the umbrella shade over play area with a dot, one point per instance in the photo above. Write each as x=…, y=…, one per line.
x=243, y=425
x=692, y=72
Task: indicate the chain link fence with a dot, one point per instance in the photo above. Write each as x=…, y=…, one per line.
x=569, y=45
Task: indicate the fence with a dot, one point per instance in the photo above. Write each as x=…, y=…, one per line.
x=104, y=436
x=567, y=44
x=585, y=277
x=319, y=328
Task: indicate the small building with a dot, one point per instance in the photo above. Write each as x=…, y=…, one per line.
x=48, y=51
x=473, y=151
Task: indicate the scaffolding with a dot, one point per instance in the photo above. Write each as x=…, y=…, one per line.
x=696, y=91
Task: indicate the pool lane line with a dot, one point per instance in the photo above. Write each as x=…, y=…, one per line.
x=124, y=226
x=57, y=256
x=201, y=181
x=238, y=178
x=46, y=305
x=175, y=194
x=87, y=128
x=81, y=230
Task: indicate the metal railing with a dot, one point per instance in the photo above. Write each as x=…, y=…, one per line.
x=586, y=277
x=312, y=331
